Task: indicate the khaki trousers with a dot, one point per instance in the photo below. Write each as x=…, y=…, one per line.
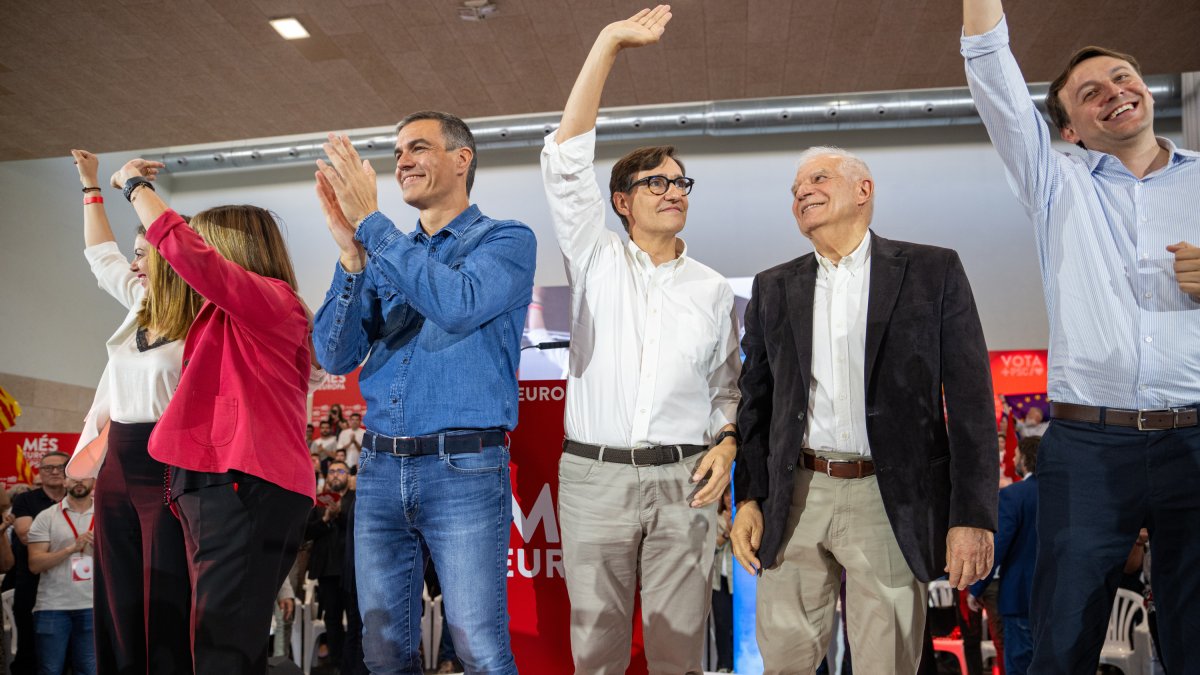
x=836, y=524
x=620, y=523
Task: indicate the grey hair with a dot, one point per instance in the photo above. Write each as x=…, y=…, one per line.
x=851, y=162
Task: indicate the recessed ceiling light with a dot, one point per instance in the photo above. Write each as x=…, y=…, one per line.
x=289, y=28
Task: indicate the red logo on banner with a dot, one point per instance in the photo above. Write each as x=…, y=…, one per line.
x=22, y=451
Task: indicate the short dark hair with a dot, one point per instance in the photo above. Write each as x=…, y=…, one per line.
x=455, y=134
x=56, y=453
x=356, y=415
x=1028, y=449
x=336, y=461
x=628, y=166
x=1057, y=111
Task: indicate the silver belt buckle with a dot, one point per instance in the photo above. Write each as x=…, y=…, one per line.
x=830, y=462
x=1141, y=418
x=633, y=456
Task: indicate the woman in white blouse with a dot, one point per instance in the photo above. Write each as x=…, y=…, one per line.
x=141, y=589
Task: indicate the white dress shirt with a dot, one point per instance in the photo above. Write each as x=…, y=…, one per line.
x=837, y=400
x=1122, y=333
x=654, y=349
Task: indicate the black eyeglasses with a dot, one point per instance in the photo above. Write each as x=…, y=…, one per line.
x=53, y=468
x=658, y=185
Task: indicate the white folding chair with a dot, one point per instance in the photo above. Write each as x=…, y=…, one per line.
x=10, y=625
x=431, y=628
x=1120, y=645
x=311, y=627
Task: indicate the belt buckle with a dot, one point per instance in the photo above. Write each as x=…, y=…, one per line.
x=633, y=458
x=396, y=441
x=830, y=462
x=1141, y=418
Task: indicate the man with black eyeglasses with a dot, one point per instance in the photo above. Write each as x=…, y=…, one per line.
x=651, y=392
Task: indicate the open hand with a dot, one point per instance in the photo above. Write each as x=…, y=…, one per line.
x=714, y=467
x=1187, y=268
x=351, y=178
x=639, y=30
x=352, y=253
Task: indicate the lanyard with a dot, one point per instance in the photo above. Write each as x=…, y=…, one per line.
x=74, y=531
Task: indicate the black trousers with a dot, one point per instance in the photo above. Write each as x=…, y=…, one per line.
x=242, y=539
x=722, y=613
x=141, y=591
x=331, y=596
x=1097, y=486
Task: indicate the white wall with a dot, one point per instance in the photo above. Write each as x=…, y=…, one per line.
x=940, y=186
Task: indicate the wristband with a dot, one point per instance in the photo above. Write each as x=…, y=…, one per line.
x=727, y=434
x=91, y=189
x=132, y=184
x=95, y=199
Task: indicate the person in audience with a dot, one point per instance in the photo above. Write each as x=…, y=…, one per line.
x=437, y=316
x=1033, y=424
x=140, y=552
x=26, y=506
x=61, y=553
x=233, y=435
x=327, y=442
x=318, y=472
x=350, y=440
x=335, y=418
x=651, y=392
x=1016, y=551
x=867, y=423
x=1115, y=227
x=326, y=529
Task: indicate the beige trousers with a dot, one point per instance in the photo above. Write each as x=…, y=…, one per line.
x=619, y=524
x=838, y=524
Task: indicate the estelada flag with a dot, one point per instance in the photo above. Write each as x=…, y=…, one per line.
x=10, y=410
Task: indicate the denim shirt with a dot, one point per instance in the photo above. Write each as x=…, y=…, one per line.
x=438, y=320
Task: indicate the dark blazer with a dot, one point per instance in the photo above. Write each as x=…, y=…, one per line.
x=1016, y=548
x=923, y=339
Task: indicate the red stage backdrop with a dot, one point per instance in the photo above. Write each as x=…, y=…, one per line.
x=22, y=451
x=337, y=390
x=1017, y=372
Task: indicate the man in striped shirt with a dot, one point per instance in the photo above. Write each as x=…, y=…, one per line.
x=1113, y=225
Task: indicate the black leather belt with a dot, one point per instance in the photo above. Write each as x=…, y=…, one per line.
x=453, y=442
x=1143, y=420
x=838, y=468
x=654, y=455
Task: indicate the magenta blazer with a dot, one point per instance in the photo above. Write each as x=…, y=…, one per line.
x=242, y=400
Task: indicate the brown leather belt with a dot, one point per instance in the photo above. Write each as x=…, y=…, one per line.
x=838, y=468
x=655, y=455
x=1144, y=420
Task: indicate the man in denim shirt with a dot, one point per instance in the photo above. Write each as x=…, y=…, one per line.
x=437, y=314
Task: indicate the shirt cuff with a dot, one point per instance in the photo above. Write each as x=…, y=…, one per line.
x=572, y=155
x=375, y=232
x=973, y=46
x=100, y=251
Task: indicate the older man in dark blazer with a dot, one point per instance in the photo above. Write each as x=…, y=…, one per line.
x=868, y=436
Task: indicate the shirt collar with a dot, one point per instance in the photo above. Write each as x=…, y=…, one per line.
x=461, y=223
x=851, y=262
x=646, y=262
x=1175, y=155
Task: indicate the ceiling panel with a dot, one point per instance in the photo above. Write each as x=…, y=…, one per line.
x=148, y=73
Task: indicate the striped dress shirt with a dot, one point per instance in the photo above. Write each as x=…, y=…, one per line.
x=1122, y=333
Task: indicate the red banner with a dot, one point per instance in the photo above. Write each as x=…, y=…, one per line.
x=1016, y=372
x=338, y=390
x=21, y=452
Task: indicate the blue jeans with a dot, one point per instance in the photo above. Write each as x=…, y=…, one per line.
x=460, y=505
x=60, y=630
x=1018, y=645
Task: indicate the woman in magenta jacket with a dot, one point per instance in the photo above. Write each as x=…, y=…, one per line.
x=233, y=435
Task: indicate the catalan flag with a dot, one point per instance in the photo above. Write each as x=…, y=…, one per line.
x=10, y=410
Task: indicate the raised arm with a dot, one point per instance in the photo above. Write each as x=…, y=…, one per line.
x=643, y=28
x=246, y=296
x=980, y=16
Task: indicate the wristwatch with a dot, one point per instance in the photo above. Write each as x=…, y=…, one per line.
x=727, y=434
